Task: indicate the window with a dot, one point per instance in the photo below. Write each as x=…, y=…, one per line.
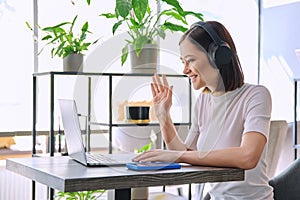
x=16, y=65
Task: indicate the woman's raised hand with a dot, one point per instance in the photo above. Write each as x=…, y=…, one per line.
x=162, y=97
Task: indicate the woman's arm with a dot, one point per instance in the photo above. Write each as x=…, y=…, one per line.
x=245, y=157
x=170, y=136
x=162, y=100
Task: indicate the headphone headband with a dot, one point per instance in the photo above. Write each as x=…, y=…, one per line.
x=208, y=29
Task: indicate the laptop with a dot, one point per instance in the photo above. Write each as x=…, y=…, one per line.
x=75, y=143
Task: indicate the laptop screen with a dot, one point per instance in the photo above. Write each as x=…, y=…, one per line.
x=72, y=129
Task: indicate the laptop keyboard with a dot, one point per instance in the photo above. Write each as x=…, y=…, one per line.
x=99, y=158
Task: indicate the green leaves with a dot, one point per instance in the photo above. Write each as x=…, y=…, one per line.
x=147, y=147
x=28, y=26
x=174, y=14
x=83, y=195
x=143, y=23
x=108, y=15
x=62, y=38
x=175, y=4
x=173, y=27
x=84, y=30
x=123, y=7
x=73, y=22
x=56, y=27
x=116, y=25
x=140, y=8
x=139, y=43
x=124, y=54
x=197, y=15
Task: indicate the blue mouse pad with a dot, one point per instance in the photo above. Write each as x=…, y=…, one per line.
x=143, y=166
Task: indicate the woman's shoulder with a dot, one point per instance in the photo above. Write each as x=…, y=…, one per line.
x=255, y=88
x=257, y=92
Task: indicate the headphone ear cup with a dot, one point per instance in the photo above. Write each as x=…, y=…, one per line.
x=220, y=54
x=223, y=54
x=212, y=48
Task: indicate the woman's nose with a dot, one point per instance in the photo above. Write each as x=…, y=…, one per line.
x=186, y=69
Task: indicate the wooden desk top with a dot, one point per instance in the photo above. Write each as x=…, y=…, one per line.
x=64, y=174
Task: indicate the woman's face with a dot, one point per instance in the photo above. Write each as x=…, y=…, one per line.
x=197, y=66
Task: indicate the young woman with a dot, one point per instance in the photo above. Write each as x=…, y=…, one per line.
x=231, y=122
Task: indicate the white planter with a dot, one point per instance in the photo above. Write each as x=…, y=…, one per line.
x=146, y=62
x=73, y=63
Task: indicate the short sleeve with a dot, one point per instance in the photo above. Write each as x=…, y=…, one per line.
x=258, y=111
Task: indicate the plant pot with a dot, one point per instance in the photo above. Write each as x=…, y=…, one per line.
x=146, y=61
x=73, y=63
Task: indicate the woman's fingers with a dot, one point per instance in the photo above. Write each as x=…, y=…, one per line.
x=147, y=156
x=154, y=86
x=165, y=81
x=158, y=155
x=170, y=93
x=139, y=157
x=159, y=85
x=160, y=89
x=153, y=90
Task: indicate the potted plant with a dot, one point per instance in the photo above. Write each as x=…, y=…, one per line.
x=83, y=195
x=66, y=44
x=144, y=24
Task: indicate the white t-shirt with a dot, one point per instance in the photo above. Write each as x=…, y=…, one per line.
x=220, y=122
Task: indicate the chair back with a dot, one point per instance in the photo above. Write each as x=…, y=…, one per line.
x=277, y=134
x=286, y=185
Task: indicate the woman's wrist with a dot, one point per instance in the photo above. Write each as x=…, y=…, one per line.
x=165, y=119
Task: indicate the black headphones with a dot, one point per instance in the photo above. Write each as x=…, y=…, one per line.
x=219, y=51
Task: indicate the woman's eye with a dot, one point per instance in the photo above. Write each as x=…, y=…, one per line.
x=186, y=62
x=190, y=60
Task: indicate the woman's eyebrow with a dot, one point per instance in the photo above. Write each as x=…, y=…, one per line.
x=186, y=56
